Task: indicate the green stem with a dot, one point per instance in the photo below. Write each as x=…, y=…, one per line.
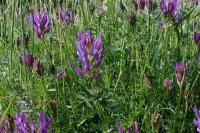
x=6, y=112
x=46, y=95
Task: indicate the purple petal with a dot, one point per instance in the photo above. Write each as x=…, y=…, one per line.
x=136, y=127
x=77, y=70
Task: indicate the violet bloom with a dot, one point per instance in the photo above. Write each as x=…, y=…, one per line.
x=198, y=59
x=103, y=9
x=21, y=123
x=136, y=127
x=41, y=23
x=168, y=84
x=90, y=53
x=28, y=60
x=181, y=70
x=194, y=2
x=33, y=128
x=60, y=74
x=34, y=64
x=129, y=129
x=140, y=4
x=66, y=17
x=44, y=123
x=2, y=125
x=170, y=8
x=38, y=67
x=196, y=38
x=196, y=120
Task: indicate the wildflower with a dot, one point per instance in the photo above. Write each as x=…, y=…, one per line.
x=103, y=8
x=148, y=81
x=136, y=127
x=170, y=8
x=198, y=60
x=44, y=123
x=196, y=120
x=38, y=67
x=33, y=63
x=21, y=123
x=28, y=60
x=129, y=129
x=99, y=73
x=90, y=53
x=41, y=23
x=159, y=24
x=156, y=119
x=194, y=2
x=66, y=17
x=2, y=125
x=60, y=74
x=196, y=38
x=181, y=70
x=168, y=85
x=141, y=4
x=33, y=128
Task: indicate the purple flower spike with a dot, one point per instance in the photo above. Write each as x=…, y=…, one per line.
x=21, y=123
x=83, y=53
x=33, y=128
x=61, y=74
x=140, y=4
x=44, y=123
x=198, y=60
x=99, y=73
x=196, y=120
x=38, y=67
x=136, y=127
x=129, y=129
x=170, y=8
x=28, y=60
x=41, y=23
x=97, y=51
x=168, y=85
x=120, y=130
x=66, y=16
x=194, y=2
x=181, y=70
x=90, y=53
x=34, y=64
x=196, y=38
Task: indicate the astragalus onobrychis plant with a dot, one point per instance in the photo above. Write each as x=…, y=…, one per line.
x=100, y=66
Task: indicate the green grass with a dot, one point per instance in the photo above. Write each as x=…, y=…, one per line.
x=121, y=94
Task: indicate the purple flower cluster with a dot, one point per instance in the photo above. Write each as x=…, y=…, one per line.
x=65, y=16
x=168, y=85
x=194, y=2
x=170, y=8
x=44, y=123
x=129, y=129
x=34, y=63
x=196, y=38
x=90, y=53
x=4, y=127
x=196, y=120
x=181, y=70
x=21, y=124
x=41, y=23
x=141, y=4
